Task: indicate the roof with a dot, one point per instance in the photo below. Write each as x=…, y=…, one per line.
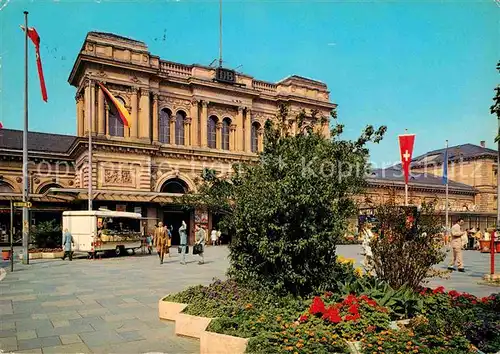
x=394, y=175
x=103, y=213
x=11, y=139
x=464, y=151
x=108, y=35
x=301, y=78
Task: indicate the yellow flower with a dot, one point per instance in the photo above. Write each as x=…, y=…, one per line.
x=248, y=306
x=299, y=345
x=358, y=272
x=278, y=318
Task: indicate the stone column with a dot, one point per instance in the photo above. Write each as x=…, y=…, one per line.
x=79, y=116
x=204, y=123
x=172, y=129
x=260, y=145
x=93, y=110
x=194, y=124
x=239, y=130
x=218, y=137
x=101, y=120
x=155, y=117
x=294, y=127
x=134, y=124
x=248, y=131
x=144, y=116
x=187, y=131
x=88, y=106
x=233, y=134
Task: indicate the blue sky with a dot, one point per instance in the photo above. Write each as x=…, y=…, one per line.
x=425, y=66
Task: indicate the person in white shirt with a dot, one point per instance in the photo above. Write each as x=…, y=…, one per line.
x=213, y=237
x=456, y=245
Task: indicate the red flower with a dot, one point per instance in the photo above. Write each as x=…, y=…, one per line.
x=370, y=328
x=317, y=306
x=485, y=300
x=474, y=302
x=371, y=303
x=454, y=293
x=438, y=290
x=364, y=297
x=303, y=318
x=350, y=299
x=352, y=317
x=332, y=314
x=353, y=309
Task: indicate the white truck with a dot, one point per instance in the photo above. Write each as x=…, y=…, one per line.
x=103, y=231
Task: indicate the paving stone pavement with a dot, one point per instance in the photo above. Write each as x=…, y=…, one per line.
x=102, y=306
x=111, y=305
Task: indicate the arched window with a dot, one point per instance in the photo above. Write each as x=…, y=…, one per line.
x=115, y=124
x=48, y=186
x=212, y=132
x=174, y=185
x=164, y=126
x=6, y=188
x=255, y=137
x=179, y=127
x=226, y=123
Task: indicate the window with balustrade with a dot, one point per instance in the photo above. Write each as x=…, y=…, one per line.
x=179, y=127
x=164, y=126
x=115, y=123
x=226, y=124
x=255, y=137
x=212, y=132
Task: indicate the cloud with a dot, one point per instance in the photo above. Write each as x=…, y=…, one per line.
x=331, y=44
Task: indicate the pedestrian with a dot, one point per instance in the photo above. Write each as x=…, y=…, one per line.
x=160, y=239
x=68, y=242
x=456, y=244
x=213, y=237
x=200, y=241
x=219, y=239
x=183, y=241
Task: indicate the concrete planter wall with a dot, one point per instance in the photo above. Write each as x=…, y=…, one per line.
x=191, y=326
x=215, y=343
x=52, y=255
x=37, y=255
x=169, y=310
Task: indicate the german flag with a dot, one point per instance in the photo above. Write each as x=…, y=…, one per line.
x=122, y=111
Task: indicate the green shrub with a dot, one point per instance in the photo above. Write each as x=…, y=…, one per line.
x=407, y=244
x=47, y=234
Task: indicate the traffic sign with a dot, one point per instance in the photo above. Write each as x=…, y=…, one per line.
x=22, y=204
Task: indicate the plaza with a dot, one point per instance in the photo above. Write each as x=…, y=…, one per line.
x=111, y=305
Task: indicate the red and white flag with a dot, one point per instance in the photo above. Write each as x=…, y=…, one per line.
x=35, y=38
x=406, y=149
x=1, y=125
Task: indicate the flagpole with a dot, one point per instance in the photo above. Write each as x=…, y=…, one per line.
x=25, y=147
x=90, y=150
x=406, y=184
x=446, y=202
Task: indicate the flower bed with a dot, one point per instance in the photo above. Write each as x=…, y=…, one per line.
x=258, y=322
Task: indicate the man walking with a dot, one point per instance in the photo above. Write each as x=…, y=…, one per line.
x=161, y=239
x=67, y=243
x=183, y=241
x=200, y=241
x=456, y=245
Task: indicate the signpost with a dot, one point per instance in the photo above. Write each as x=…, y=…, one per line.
x=23, y=204
x=11, y=236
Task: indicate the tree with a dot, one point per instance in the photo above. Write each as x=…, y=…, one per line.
x=289, y=210
x=408, y=244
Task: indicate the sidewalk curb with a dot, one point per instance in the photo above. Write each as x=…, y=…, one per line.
x=3, y=273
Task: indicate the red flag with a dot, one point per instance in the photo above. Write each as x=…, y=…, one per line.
x=35, y=38
x=1, y=125
x=406, y=149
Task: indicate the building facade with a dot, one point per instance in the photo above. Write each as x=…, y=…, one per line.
x=184, y=118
